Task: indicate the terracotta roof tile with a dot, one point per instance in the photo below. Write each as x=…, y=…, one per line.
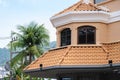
x=50, y=58
x=85, y=55
x=114, y=51
x=79, y=55
x=80, y=6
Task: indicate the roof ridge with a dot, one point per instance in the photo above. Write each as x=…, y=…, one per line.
x=69, y=47
x=106, y=51
x=58, y=48
x=67, y=8
x=86, y=1
x=112, y=42
x=77, y=7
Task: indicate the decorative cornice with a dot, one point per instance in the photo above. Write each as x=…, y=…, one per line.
x=115, y=16
x=85, y=16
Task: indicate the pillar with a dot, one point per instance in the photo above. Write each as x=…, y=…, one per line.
x=58, y=39
x=73, y=36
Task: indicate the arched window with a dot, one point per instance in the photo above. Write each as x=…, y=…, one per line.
x=86, y=35
x=66, y=37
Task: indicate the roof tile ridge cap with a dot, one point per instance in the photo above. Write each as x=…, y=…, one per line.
x=94, y=5
x=69, y=47
x=43, y=54
x=111, y=42
x=35, y=60
x=58, y=48
x=106, y=51
x=104, y=48
x=65, y=9
x=77, y=5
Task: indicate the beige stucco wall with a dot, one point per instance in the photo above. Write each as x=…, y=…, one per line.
x=114, y=32
x=101, y=32
x=104, y=32
x=113, y=5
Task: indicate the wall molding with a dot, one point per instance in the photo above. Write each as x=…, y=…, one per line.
x=85, y=16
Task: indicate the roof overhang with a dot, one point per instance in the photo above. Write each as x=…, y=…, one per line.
x=85, y=16
x=54, y=71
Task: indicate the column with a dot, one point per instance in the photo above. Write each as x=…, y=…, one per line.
x=74, y=36
x=58, y=39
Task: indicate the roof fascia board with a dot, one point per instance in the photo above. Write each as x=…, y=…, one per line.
x=84, y=67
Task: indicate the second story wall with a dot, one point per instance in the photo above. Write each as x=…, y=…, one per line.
x=100, y=37
x=113, y=5
x=114, y=32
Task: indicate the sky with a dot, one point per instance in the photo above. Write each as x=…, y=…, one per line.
x=22, y=12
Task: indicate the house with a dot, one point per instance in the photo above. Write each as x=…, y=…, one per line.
x=88, y=43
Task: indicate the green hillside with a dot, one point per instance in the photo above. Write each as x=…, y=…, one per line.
x=4, y=56
x=5, y=53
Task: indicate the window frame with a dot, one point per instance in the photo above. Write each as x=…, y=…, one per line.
x=65, y=37
x=86, y=35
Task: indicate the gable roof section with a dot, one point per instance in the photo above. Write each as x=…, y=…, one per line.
x=81, y=6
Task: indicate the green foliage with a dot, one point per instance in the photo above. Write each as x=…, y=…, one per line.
x=30, y=42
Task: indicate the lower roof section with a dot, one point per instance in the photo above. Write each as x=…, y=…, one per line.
x=76, y=58
x=55, y=71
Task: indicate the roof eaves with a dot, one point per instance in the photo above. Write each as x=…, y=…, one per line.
x=35, y=61
x=58, y=48
x=83, y=67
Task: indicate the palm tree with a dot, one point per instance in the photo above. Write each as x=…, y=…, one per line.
x=30, y=42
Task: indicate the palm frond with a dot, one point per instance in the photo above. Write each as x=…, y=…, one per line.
x=31, y=40
x=16, y=59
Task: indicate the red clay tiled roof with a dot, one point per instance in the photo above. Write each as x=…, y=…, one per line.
x=113, y=50
x=80, y=6
x=79, y=55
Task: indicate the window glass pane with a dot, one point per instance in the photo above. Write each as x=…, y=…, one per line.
x=86, y=35
x=82, y=36
x=91, y=35
x=66, y=37
x=98, y=1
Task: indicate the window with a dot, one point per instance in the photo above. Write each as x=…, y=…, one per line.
x=86, y=35
x=66, y=37
x=98, y=1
